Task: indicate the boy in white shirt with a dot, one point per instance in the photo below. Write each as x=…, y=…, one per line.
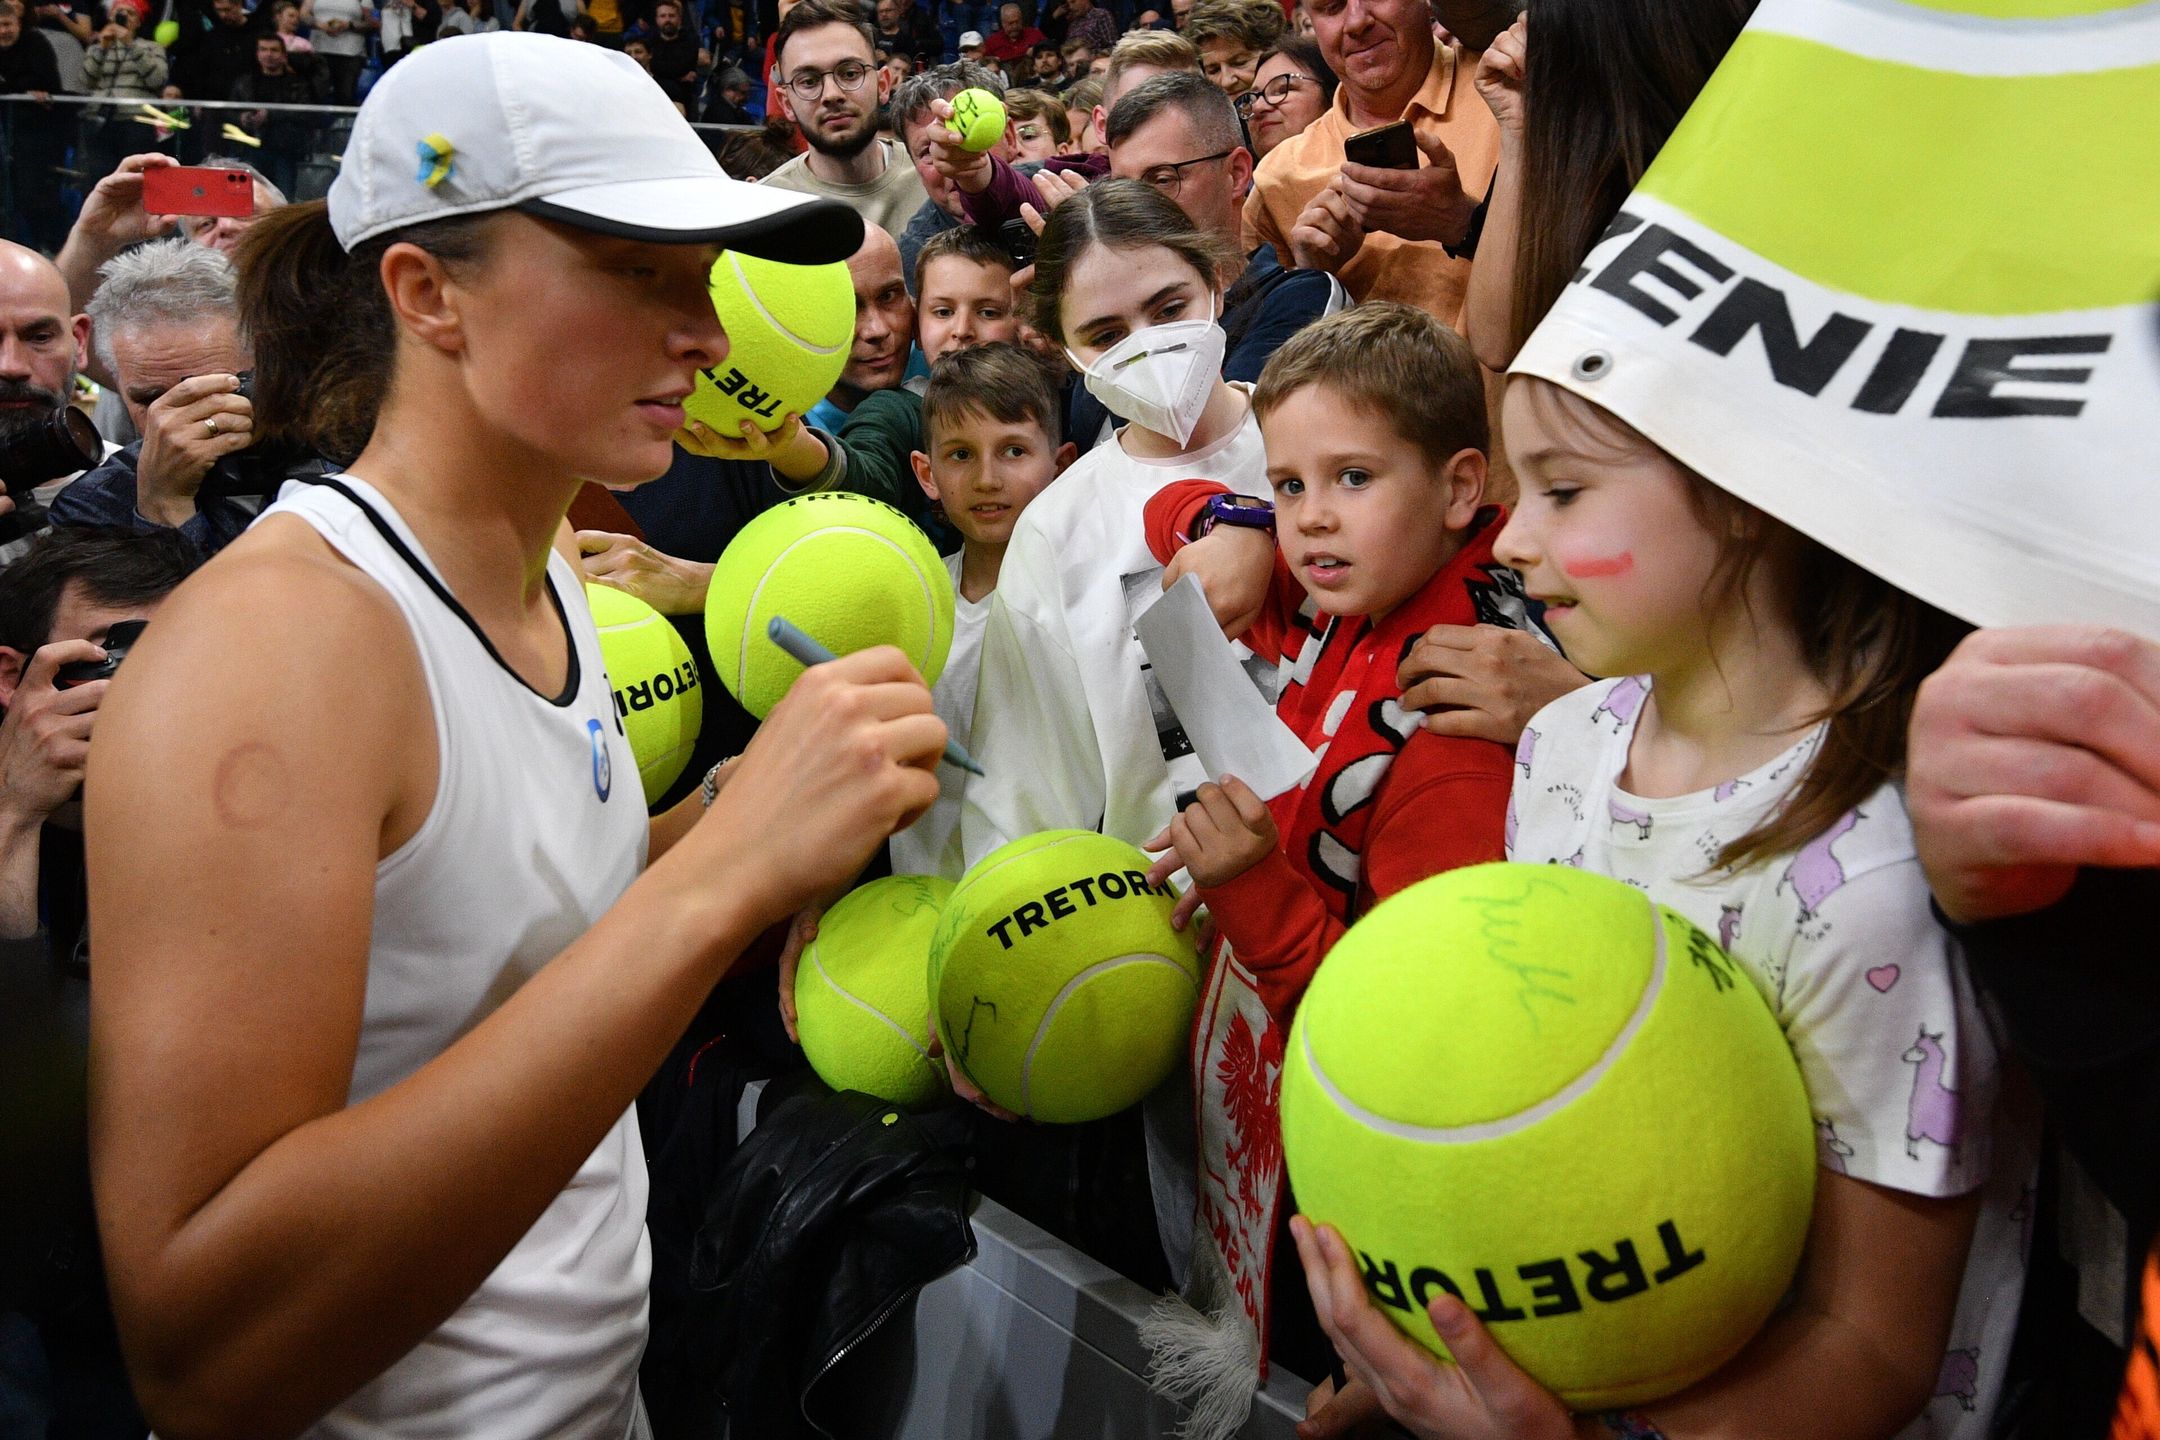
x=991, y=422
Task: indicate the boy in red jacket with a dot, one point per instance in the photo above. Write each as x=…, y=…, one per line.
x=1376, y=435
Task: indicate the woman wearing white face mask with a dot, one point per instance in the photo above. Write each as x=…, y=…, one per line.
x=1069, y=726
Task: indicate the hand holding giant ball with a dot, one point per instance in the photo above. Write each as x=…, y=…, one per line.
x=789, y=330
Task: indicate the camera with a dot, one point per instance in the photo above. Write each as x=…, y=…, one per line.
x=119, y=639
x=61, y=443
x=1019, y=242
x=257, y=471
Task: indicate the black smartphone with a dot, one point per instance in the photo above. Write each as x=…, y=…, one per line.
x=1019, y=242
x=1391, y=147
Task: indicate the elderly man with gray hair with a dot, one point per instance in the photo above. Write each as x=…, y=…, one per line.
x=166, y=326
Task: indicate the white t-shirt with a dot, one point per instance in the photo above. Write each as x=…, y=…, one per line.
x=350, y=42
x=1902, y=1070
x=888, y=202
x=931, y=846
x=1070, y=727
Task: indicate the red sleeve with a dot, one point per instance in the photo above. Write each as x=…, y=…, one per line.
x=1171, y=513
x=1446, y=810
x=1449, y=811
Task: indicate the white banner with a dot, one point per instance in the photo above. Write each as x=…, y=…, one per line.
x=1891, y=363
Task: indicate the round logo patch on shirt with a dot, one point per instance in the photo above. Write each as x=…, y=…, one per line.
x=603, y=776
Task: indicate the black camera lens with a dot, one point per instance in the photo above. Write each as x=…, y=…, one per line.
x=63, y=442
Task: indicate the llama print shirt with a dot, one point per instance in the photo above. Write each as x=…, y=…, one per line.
x=1901, y=1068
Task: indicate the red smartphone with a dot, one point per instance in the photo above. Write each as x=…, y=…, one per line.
x=197, y=190
x=1390, y=147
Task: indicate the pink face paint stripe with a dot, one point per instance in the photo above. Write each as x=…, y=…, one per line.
x=1600, y=569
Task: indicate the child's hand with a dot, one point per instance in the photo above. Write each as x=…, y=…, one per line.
x=969, y=169
x=1483, y=682
x=1224, y=833
x=1482, y=1396
x=1331, y=1413
x=801, y=931
x=1234, y=564
x=963, y=1087
x=671, y=586
x=750, y=443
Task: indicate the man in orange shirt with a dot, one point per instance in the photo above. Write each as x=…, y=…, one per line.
x=1384, y=233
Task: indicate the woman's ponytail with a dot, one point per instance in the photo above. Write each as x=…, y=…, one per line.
x=324, y=341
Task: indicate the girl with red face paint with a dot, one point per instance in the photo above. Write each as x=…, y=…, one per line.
x=1743, y=766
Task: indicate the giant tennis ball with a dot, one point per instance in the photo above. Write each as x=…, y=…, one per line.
x=1061, y=989
x=978, y=118
x=849, y=571
x=657, y=695
x=862, y=991
x=1532, y=1088
x=789, y=330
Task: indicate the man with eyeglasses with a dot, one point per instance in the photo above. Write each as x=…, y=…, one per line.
x=825, y=65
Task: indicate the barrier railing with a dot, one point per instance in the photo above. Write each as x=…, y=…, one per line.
x=53, y=151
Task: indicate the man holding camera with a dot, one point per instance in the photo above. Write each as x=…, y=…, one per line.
x=43, y=443
x=65, y=612
x=167, y=328
x=58, y=607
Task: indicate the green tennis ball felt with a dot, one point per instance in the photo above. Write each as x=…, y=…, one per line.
x=657, y=695
x=978, y=118
x=1531, y=1087
x=1061, y=989
x=850, y=571
x=167, y=33
x=862, y=991
x=789, y=330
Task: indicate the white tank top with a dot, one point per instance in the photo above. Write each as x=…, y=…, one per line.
x=537, y=827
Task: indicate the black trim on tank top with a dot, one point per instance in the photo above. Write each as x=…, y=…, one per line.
x=442, y=593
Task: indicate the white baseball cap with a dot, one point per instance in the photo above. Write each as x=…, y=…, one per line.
x=565, y=131
x=972, y=40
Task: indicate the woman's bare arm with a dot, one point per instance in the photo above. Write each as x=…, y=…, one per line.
x=270, y=1248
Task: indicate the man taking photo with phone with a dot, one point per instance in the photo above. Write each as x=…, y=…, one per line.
x=1387, y=230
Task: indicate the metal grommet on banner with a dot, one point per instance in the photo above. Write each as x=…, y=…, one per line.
x=1592, y=365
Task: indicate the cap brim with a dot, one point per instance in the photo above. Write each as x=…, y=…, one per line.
x=764, y=221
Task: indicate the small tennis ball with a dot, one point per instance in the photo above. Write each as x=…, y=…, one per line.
x=862, y=991
x=789, y=330
x=657, y=695
x=1534, y=1089
x=167, y=33
x=850, y=571
x=1061, y=989
x=978, y=118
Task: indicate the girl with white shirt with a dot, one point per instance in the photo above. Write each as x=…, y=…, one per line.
x=1070, y=726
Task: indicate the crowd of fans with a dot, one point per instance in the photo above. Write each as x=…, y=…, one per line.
x=715, y=61
x=1199, y=168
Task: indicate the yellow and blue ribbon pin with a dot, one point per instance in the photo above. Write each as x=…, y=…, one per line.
x=435, y=157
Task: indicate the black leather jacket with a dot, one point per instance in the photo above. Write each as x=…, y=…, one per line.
x=834, y=1211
